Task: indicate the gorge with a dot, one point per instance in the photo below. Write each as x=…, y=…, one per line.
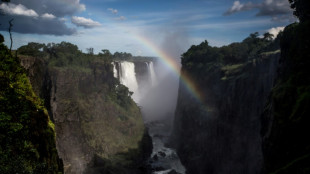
x=242, y=108
x=141, y=79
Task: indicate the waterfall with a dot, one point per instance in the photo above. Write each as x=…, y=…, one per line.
x=152, y=74
x=128, y=78
x=140, y=83
x=114, y=70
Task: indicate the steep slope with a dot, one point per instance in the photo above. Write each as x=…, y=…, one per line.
x=27, y=136
x=286, y=117
x=99, y=127
x=220, y=133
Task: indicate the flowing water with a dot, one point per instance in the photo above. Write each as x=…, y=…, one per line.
x=152, y=74
x=128, y=78
x=163, y=159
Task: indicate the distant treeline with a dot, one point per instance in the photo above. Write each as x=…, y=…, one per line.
x=67, y=54
x=200, y=58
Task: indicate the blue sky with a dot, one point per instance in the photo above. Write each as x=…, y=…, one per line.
x=116, y=25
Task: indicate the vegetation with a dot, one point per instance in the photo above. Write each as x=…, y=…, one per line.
x=286, y=149
x=301, y=9
x=66, y=54
x=200, y=59
x=113, y=127
x=27, y=137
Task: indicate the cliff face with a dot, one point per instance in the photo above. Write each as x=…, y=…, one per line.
x=27, y=138
x=221, y=133
x=98, y=126
x=253, y=116
x=286, y=117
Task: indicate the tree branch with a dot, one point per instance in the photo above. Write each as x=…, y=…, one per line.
x=10, y=28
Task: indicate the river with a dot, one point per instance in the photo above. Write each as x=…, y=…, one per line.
x=164, y=160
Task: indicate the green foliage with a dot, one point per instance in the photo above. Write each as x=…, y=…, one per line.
x=32, y=49
x=123, y=95
x=202, y=58
x=115, y=127
x=291, y=101
x=301, y=9
x=90, y=51
x=27, y=142
x=66, y=55
x=105, y=53
x=1, y=38
x=122, y=55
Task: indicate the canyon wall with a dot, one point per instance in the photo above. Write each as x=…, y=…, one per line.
x=99, y=128
x=27, y=135
x=220, y=132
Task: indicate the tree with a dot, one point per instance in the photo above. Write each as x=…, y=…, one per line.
x=105, y=52
x=254, y=35
x=90, y=51
x=1, y=38
x=268, y=36
x=4, y=1
x=32, y=49
x=301, y=9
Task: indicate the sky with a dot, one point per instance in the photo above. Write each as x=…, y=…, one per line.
x=124, y=25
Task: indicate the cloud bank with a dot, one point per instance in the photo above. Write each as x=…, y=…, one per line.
x=275, y=31
x=114, y=11
x=17, y=10
x=84, y=22
x=44, y=16
x=277, y=9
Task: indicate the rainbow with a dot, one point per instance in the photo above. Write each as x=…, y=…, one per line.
x=173, y=65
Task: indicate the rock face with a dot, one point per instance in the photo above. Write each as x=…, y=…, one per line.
x=27, y=135
x=286, y=118
x=95, y=127
x=221, y=134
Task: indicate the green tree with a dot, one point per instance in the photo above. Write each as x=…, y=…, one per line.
x=301, y=9
x=268, y=36
x=32, y=49
x=1, y=38
x=105, y=52
x=90, y=51
x=27, y=138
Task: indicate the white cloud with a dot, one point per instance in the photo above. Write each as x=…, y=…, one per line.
x=114, y=11
x=19, y=10
x=121, y=18
x=63, y=19
x=84, y=22
x=275, y=31
x=48, y=16
x=39, y=16
x=266, y=8
x=80, y=7
x=237, y=6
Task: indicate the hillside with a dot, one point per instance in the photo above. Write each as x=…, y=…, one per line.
x=99, y=127
x=27, y=135
x=220, y=132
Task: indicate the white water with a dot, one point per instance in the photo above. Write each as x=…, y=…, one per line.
x=114, y=70
x=159, y=131
x=152, y=73
x=128, y=78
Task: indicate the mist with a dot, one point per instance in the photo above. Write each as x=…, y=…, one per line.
x=159, y=101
